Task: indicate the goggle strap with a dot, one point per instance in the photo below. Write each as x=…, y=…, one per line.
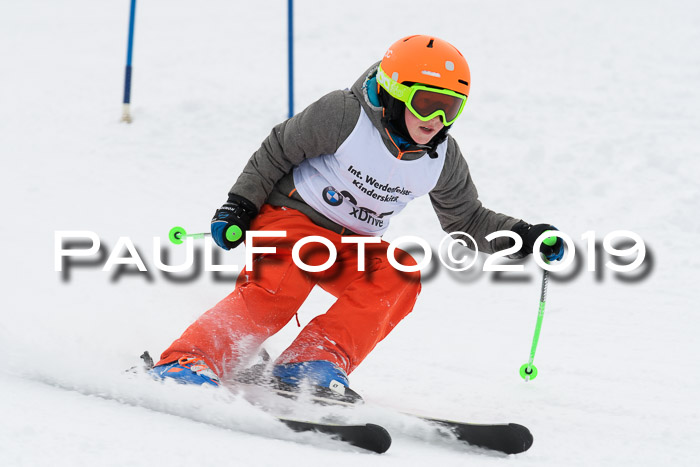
x=395, y=89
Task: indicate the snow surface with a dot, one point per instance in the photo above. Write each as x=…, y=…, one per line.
x=581, y=114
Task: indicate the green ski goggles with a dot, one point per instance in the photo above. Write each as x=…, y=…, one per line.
x=425, y=102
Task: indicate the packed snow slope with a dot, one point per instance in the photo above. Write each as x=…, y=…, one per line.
x=584, y=115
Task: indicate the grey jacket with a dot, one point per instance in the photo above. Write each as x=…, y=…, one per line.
x=322, y=127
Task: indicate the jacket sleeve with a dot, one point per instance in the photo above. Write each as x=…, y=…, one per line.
x=319, y=129
x=456, y=202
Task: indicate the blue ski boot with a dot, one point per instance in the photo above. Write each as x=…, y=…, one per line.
x=327, y=381
x=188, y=369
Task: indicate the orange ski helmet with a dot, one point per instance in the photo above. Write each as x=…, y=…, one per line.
x=427, y=60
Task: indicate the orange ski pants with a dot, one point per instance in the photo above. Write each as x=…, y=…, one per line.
x=369, y=303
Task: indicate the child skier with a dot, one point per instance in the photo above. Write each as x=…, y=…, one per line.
x=340, y=169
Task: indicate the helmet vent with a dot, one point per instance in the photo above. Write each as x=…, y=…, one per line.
x=430, y=44
x=463, y=82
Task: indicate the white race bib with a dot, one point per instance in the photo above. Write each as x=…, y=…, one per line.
x=363, y=185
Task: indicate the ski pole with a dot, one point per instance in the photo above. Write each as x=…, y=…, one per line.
x=176, y=234
x=528, y=371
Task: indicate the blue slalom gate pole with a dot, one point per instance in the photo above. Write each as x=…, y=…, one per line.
x=126, y=114
x=290, y=53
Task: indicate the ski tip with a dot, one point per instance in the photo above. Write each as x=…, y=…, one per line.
x=369, y=436
x=381, y=439
x=521, y=441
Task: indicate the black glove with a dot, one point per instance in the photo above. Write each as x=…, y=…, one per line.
x=231, y=221
x=529, y=234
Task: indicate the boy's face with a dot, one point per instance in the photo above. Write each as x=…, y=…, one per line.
x=422, y=132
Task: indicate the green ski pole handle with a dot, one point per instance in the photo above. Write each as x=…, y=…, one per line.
x=528, y=371
x=176, y=234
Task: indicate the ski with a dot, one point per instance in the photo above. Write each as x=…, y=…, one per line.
x=509, y=438
x=371, y=437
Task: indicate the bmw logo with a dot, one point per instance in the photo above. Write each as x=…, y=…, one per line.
x=332, y=197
